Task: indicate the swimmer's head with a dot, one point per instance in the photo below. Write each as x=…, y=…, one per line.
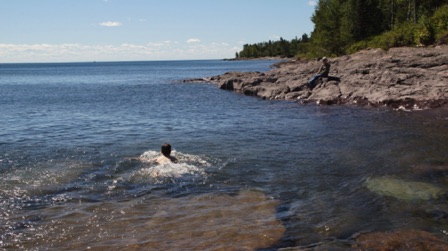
x=166, y=149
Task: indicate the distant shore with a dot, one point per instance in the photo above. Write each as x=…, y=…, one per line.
x=250, y=59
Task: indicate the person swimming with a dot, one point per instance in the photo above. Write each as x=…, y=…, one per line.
x=166, y=157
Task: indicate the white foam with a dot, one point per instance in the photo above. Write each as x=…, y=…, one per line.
x=414, y=108
x=149, y=155
x=187, y=164
x=171, y=170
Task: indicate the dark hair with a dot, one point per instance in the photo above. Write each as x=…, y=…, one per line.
x=166, y=149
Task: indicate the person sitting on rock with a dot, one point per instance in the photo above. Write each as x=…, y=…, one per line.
x=166, y=157
x=323, y=72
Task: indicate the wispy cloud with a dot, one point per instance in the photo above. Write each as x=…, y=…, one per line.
x=193, y=40
x=312, y=3
x=111, y=24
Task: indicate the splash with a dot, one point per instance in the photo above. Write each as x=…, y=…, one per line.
x=172, y=170
x=187, y=165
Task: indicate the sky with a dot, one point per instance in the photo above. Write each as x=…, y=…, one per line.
x=144, y=30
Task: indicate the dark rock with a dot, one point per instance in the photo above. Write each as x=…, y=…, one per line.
x=196, y=80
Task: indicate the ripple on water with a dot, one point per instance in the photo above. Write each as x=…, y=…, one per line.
x=43, y=177
x=246, y=221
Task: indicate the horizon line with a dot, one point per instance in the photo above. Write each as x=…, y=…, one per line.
x=113, y=61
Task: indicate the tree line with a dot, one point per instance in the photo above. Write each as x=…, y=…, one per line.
x=346, y=26
x=280, y=48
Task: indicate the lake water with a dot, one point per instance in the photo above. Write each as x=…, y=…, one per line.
x=252, y=174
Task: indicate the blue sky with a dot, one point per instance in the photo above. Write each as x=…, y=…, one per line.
x=122, y=30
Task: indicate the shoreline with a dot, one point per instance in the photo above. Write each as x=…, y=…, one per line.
x=402, y=78
x=255, y=59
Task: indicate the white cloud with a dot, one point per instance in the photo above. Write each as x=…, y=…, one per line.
x=312, y=3
x=111, y=24
x=163, y=50
x=193, y=40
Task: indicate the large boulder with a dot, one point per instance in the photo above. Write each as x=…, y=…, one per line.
x=401, y=78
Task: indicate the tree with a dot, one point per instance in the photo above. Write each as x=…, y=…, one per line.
x=342, y=26
x=327, y=27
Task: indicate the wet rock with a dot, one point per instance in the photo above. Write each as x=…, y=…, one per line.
x=195, y=80
x=401, y=78
x=403, y=190
x=403, y=240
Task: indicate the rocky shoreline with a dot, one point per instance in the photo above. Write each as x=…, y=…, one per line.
x=401, y=78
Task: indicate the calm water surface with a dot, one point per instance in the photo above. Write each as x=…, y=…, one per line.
x=253, y=174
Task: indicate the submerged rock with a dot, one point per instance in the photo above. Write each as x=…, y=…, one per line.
x=214, y=222
x=246, y=221
x=403, y=240
x=403, y=190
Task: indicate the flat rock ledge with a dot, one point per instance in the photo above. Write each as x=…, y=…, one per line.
x=401, y=78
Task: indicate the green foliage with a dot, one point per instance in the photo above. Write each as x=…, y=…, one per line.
x=359, y=46
x=326, y=36
x=281, y=48
x=347, y=26
x=361, y=24
x=402, y=35
x=440, y=21
x=425, y=33
x=341, y=23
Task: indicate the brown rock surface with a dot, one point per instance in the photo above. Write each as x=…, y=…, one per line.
x=401, y=78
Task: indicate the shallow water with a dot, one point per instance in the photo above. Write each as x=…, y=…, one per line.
x=253, y=174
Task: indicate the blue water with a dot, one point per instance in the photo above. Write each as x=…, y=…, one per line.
x=71, y=135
